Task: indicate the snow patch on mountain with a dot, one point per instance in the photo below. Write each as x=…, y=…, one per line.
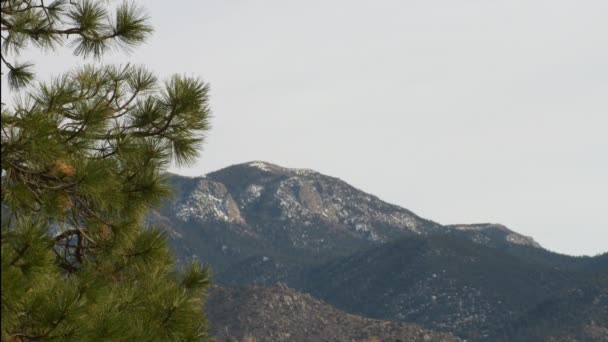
x=252, y=194
x=260, y=165
x=209, y=200
x=481, y=232
x=518, y=239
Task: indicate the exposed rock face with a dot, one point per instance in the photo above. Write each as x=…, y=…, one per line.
x=208, y=200
x=280, y=314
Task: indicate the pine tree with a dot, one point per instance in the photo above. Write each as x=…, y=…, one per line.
x=83, y=158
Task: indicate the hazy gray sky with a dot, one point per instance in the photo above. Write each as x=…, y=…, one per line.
x=461, y=111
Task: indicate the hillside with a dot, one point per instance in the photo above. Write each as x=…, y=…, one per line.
x=575, y=313
x=256, y=313
x=443, y=282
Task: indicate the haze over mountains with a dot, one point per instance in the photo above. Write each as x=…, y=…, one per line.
x=259, y=223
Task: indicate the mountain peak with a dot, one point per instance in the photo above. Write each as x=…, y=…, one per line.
x=259, y=193
x=267, y=168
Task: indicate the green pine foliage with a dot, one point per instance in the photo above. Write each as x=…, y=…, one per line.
x=83, y=158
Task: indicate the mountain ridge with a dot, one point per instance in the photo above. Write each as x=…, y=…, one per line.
x=244, y=180
x=258, y=223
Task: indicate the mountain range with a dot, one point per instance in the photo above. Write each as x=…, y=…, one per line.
x=261, y=224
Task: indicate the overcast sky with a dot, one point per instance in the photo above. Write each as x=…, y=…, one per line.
x=461, y=111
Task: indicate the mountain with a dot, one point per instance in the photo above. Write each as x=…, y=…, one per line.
x=256, y=313
x=262, y=223
x=259, y=223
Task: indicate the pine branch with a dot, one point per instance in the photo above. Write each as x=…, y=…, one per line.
x=19, y=255
x=85, y=152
